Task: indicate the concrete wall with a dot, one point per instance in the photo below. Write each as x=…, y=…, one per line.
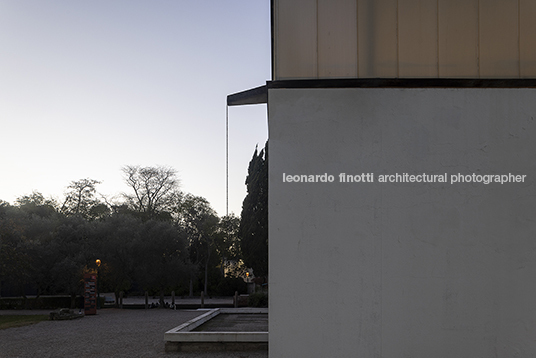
x=402, y=269
x=404, y=38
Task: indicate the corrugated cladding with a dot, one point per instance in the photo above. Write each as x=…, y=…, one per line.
x=317, y=39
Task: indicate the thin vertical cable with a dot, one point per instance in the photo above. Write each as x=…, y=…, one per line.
x=226, y=177
x=227, y=159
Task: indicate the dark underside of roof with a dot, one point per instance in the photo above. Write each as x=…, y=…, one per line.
x=259, y=95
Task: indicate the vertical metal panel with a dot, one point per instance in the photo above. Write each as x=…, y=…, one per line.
x=337, y=38
x=377, y=23
x=499, y=40
x=296, y=39
x=404, y=38
x=527, y=41
x=417, y=31
x=458, y=38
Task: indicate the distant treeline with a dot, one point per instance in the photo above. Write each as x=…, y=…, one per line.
x=155, y=238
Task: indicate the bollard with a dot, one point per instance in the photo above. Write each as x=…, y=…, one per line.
x=146, y=300
x=173, y=299
x=121, y=299
x=202, y=299
x=236, y=299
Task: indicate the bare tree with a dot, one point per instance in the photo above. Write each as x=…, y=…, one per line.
x=81, y=200
x=155, y=189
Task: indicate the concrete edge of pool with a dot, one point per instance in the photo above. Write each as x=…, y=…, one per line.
x=182, y=338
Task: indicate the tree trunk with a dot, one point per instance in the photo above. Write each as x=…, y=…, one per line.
x=206, y=269
x=116, y=295
x=206, y=277
x=73, y=301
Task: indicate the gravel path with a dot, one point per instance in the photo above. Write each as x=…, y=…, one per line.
x=111, y=333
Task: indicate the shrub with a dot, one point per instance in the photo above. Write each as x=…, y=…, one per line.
x=258, y=299
x=227, y=286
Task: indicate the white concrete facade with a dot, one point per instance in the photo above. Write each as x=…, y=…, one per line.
x=402, y=269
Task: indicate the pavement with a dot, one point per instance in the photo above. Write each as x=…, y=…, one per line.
x=110, y=333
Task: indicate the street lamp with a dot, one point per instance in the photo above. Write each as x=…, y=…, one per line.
x=98, y=262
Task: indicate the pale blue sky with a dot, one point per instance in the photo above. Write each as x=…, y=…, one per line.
x=87, y=87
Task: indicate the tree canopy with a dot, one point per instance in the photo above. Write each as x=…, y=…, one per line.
x=254, y=219
x=81, y=200
x=156, y=239
x=155, y=190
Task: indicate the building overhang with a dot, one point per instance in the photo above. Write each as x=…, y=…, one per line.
x=259, y=95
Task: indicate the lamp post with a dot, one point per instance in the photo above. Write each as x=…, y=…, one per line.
x=98, y=262
x=248, y=284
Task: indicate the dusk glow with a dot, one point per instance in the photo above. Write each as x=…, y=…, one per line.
x=90, y=87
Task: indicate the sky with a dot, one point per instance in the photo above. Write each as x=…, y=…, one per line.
x=88, y=87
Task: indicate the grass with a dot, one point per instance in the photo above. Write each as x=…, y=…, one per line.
x=10, y=321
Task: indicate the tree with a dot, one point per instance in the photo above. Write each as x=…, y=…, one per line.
x=33, y=221
x=35, y=204
x=15, y=263
x=71, y=250
x=155, y=189
x=201, y=222
x=162, y=257
x=227, y=242
x=118, y=236
x=80, y=200
x=254, y=219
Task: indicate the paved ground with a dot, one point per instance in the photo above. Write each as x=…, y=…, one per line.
x=111, y=333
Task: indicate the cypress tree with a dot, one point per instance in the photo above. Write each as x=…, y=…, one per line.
x=254, y=219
